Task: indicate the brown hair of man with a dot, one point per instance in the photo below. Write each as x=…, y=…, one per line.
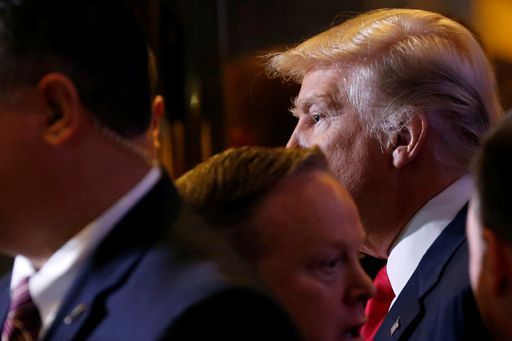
x=227, y=188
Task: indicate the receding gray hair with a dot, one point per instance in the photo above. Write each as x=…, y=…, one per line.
x=398, y=62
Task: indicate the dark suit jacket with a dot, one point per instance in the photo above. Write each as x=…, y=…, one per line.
x=159, y=270
x=437, y=303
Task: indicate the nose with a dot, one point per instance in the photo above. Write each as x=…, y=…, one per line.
x=362, y=287
x=293, y=142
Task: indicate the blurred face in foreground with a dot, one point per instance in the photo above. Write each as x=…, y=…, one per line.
x=490, y=270
x=313, y=235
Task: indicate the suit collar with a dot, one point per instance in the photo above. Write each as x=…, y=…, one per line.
x=428, y=273
x=432, y=265
x=5, y=296
x=423, y=229
x=114, y=259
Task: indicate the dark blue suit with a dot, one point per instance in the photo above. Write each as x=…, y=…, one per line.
x=437, y=303
x=157, y=271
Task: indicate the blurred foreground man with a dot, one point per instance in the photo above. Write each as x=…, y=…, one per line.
x=398, y=100
x=104, y=248
x=283, y=212
x=490, y=233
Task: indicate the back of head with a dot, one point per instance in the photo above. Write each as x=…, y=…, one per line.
x=398, y=62
x=227, y=188
x=493, y=169
x=97, y=44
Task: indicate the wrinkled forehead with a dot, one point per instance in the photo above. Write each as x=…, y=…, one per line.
x=324, y=84
x=350, y=83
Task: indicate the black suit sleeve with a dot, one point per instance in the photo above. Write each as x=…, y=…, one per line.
x=233, y=314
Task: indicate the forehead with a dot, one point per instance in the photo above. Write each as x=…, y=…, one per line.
x=310, y=208
x=320, y=84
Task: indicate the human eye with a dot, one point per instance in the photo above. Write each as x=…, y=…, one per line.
x=320, y=113
x=332, y=263
x=328, y=268
x=316, y=117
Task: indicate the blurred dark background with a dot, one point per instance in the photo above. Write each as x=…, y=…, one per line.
x=210, y=55
x=211, y=68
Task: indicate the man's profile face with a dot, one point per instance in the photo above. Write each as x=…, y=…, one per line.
x=312, y=237
x=325, y=119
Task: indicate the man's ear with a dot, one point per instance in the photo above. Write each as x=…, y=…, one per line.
x=158, y=112
x=497, y=263
x=407, y=143
x=64, y=114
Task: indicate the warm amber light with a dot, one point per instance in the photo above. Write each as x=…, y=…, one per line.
x=492, y=19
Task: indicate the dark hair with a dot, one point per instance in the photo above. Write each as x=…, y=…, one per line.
x=97, y=44
x=228, y=188
x=493, y=168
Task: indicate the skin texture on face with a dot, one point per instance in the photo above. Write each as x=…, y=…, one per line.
x=335, y=128
x=312, y=235
x=356, y=160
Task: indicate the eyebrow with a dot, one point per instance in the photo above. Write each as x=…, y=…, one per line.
x=338, y=244
x=302, y=106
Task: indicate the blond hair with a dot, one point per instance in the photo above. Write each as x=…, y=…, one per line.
x=398, y=62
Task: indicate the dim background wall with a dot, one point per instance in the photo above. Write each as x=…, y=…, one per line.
x=211, y=67
x=211, y=52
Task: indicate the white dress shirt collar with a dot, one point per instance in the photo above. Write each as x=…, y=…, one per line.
x=50, y=284
x=423, y=229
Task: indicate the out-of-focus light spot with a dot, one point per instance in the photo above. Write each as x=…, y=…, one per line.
x=492, y=22
x=194, y=102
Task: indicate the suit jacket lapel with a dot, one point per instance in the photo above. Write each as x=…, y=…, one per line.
x=5, y=297
x=117, y=255
x=407, y=308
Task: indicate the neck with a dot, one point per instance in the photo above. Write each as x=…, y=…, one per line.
x=81, y=185
x=386, y=216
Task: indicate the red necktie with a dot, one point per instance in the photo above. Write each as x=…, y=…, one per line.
x=378, y=306
x=23, y=321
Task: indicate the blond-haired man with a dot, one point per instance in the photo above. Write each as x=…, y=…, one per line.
x=398, y=100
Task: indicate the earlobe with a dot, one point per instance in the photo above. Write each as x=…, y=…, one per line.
x=407, y=143
x=63, y=112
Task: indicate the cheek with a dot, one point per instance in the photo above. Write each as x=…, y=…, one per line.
x=344, y=150
x=318, y=311
x=336, y=152
x=308, y=294
x=346, y=167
